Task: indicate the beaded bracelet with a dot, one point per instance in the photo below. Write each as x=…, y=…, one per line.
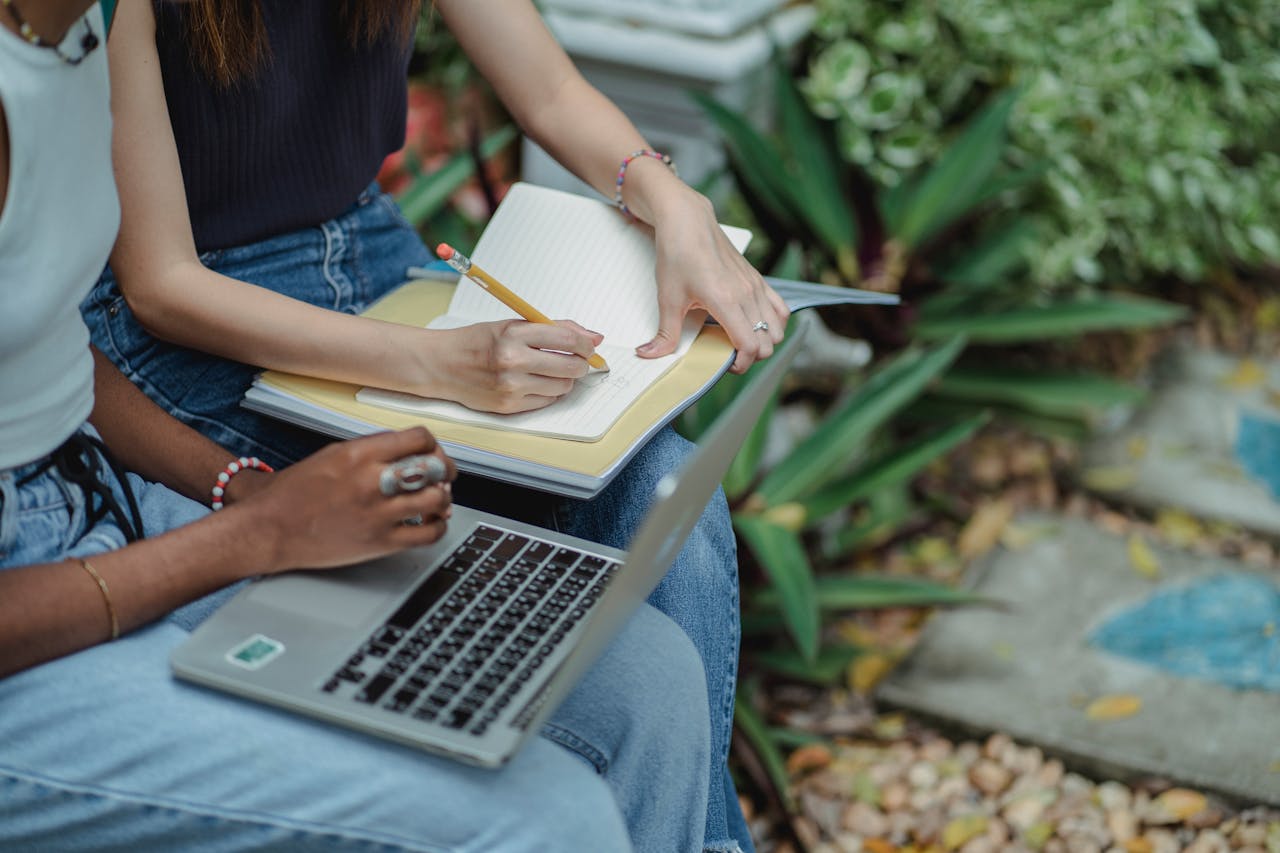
x=244, y=463
x=622, y=174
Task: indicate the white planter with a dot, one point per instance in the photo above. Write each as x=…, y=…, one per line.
x=648, y=72
x=717, y=18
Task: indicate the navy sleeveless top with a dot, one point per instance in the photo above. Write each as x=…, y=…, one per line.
x=294, y=145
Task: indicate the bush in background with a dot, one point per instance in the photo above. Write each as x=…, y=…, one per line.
x=1160, y=119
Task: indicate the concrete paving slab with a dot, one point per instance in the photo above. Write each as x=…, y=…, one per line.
x=1029, y=671
x=1178, y=449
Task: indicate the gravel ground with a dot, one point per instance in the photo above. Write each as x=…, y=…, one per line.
x=924, y=793
x=880, y=783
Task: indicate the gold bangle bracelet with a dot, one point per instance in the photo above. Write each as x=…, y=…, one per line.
x=106, y=596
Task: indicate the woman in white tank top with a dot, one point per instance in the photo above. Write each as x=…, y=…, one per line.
x=102, y=573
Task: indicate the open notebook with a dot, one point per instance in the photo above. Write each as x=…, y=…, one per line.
x=572, y=258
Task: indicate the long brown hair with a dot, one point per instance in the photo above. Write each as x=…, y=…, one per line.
x=228, y=38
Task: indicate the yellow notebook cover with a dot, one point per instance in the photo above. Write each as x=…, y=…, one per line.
x=575, y=468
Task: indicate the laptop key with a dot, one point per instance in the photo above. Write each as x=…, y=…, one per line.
x=377, y=686
x=431, y=590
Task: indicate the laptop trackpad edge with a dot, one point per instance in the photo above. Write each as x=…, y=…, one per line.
x=349, y=596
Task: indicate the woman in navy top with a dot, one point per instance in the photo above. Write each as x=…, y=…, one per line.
x=247, y=139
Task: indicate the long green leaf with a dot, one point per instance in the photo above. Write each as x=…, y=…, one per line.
x=699, y=417
x=745, y=467
x=1067, y=318
x=429, y=193
x=1003, y=182
x=877, y=528
x=1071, y=395
x=930, y=409
x=896, y=466
x=827, y=451
x=992, y=259
x=956, y=181
x=784, y=560
x=753, y=728
x=816, y=170
x=858, y=592
x=761, y=164
x=826, y=669
x=793, y=738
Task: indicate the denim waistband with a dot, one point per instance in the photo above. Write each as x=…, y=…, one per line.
x=84, y=461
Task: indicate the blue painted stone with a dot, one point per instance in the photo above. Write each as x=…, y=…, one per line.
x=1224, y=628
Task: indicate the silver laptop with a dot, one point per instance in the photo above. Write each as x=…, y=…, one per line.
x=465, y=646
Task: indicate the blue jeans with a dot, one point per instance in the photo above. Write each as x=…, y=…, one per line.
x=346, y=264
x=103, y=749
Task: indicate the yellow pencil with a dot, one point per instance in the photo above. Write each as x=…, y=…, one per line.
x=462, y=264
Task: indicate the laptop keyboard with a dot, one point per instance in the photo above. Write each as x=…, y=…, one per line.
x=468, y=638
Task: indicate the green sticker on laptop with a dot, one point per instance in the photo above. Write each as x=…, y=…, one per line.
x=256, y=652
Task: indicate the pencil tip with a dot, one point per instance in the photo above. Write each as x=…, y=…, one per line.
x=444, y=251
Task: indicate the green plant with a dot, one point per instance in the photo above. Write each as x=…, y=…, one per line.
x=847, y=486
x=932, y=236
x=1157, y=119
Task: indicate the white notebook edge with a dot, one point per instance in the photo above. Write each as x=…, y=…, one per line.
x=281, y=405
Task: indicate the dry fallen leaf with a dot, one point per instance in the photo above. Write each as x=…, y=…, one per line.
x=808, y=757
x=1179, y=527
x=1180, y=803
x=866, y=671
x=789, y=516
x=984, y=528
x=1247, y=374
x=962, y=829
x=1141, y=559
x=878, y=845
x=889, y=726
x=1038, y=834
x=1109, y=478
x=1138, y=845
x=1113, y=707
x=1015, y=537
x=1267, y=316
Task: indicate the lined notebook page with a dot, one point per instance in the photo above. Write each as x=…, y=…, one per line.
x=584, y=414
x=572, y=258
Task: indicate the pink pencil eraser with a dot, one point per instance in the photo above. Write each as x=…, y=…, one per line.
x=445, y=251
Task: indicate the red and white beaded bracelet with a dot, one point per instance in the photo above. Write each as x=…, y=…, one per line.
x=622, y=174
x=244, y=463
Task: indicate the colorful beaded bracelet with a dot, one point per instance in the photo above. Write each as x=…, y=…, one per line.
x=622, y=174
x=244, y=463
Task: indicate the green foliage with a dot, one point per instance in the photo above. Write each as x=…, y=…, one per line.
x=846, y=486
x=427, y=195
x=824, y=474
x=1156, y=119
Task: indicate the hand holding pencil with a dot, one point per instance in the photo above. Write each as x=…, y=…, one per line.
x=463, y=265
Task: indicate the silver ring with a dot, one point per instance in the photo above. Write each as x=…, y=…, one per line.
x=411, y=474
x=760, y=326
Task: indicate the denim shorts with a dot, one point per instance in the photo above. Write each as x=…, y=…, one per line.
x=45, y=519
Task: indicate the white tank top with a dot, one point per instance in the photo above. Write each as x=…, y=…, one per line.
x=57, y=226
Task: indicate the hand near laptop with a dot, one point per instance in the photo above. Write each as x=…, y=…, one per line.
x=326, y=511
x=332, y=509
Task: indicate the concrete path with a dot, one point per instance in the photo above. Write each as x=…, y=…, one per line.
x=1179, y=450
x=1029, y=671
